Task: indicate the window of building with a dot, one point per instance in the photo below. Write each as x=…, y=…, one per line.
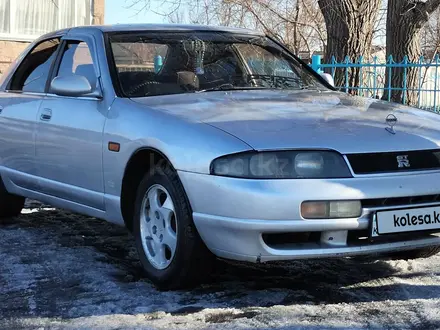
x=27, y=19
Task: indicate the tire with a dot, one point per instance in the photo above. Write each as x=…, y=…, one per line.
x=10, y=205
x=190, y=261
x=416, y=254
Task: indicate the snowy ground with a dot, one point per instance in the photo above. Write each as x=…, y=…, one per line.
x=62, y=270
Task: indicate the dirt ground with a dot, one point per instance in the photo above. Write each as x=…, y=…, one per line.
x=60, y=270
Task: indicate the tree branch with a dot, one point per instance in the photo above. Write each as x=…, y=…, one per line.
x=425, y=9
x=432, y=5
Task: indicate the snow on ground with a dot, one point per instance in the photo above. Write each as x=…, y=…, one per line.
x=61, y=270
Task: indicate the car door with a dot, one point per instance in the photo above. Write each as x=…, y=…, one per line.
x=70, y=130
x=19, y=105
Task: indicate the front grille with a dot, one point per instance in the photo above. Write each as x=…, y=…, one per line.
x=388, y=162
x=397, y=201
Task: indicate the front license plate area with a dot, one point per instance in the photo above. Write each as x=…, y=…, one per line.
x=406, y=220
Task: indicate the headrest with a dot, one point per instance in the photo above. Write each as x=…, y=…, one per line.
x=188, y=80
x=88, y=71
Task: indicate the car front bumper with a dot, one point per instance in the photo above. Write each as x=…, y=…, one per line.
x=241, y=219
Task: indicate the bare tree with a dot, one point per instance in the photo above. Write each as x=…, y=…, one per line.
x=350, y=26
x=379, y=33
x=430, y=36
x=405, y=19
x=297, y=23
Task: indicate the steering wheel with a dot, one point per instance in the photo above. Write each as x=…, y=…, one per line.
x=141, y=85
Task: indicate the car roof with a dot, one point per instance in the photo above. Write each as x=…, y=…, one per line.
x=154, y=27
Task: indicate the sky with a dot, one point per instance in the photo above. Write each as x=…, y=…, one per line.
x=118, y=12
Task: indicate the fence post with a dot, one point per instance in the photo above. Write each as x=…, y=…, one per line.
x=375, y=93
x=435, y=82
x=420, y=67
x=361, y=81
x=390, y=62
x=346, y=62
x=316, y=63
x=405, y=84
x=333, y=66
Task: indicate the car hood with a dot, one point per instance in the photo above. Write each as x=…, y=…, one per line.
x=274, y=119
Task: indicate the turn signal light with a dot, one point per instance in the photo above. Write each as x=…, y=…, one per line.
x=331, y=209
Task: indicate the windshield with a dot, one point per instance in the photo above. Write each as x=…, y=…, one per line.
x=170, y=63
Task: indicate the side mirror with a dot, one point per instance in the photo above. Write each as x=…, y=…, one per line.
x=73, y=85
x=328, y=78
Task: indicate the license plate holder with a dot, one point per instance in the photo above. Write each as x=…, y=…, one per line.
x=406, y=220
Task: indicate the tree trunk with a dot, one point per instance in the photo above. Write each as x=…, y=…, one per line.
x=296, y=40
x=350, y=25
x=405, y=19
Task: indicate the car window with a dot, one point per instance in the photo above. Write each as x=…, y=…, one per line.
x=191, y=62
x=77, y=59
x=154, y=69
x=264, y=62
x=139, y=56
x=31, y=75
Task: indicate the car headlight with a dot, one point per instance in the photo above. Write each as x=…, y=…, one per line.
x=282, y=165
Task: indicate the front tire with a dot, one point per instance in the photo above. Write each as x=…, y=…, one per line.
x=169, y=246
x=10, y=205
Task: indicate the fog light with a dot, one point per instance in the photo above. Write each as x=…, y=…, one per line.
x=314, y=210
x=345, y=209
x=331, y=209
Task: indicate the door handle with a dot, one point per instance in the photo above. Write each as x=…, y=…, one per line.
x=46, y=115
x=1, y=109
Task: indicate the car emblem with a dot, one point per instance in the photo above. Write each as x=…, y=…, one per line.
x=403, y=161
x=391, y=121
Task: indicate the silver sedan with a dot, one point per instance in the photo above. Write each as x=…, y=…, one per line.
x=208, y=141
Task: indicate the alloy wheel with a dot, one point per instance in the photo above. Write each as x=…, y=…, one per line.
x=158, y=226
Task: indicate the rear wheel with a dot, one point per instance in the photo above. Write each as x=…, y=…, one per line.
x=169, y=246
x=10, y=205
x=416, y=254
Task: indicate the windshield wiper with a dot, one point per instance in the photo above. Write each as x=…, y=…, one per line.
x=275, y=79
x=228, y=87
x=282, y=82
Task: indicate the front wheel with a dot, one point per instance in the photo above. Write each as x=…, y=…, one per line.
x=169, y=246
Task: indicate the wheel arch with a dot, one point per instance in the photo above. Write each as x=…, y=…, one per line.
x=142, y=160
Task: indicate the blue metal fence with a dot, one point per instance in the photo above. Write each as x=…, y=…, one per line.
x=372, y=78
